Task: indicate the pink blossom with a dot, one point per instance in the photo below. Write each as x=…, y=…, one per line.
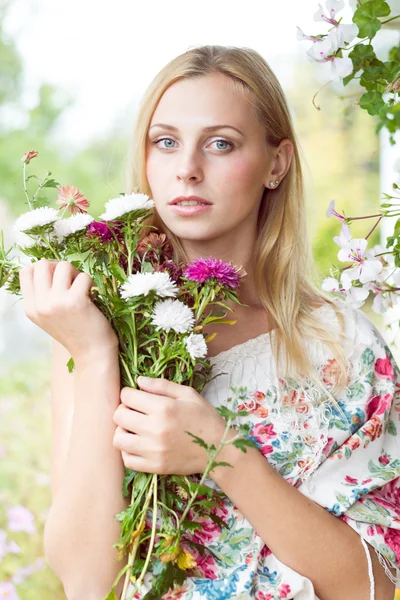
x=384, y=367
x=331, y=212
x=8, y=591
x=29, y=155
x=384, y=460
x=21, y=519
x=351, y=480
x=207, y=269
x=284, y=590
x=71, y=198
x=378, y=405
x=392, y=539
x=103, y=230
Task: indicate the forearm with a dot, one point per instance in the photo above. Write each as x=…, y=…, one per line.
x=81, y=528
x=299, y=532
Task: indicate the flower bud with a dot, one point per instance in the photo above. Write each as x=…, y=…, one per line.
x=28, y=156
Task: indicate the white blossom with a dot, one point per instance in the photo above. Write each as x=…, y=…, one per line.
x=25, y=241
x=332, y=7
x=366, y=267
x=117, y=207
x=172, y=314
x=355, y=296
x=36, y=217
x=196, y=345
x=142, y=283
x=65, y=227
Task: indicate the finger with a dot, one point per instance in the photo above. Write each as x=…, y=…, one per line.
x=136, y=463
x=137, y=400
x=163, y=387
x=81, y=285
x=63, y=277
x=131, y=420
x=43, y=280
x=128, y=442
x=27, y=290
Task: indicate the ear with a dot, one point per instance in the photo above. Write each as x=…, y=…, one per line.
x=280, y=164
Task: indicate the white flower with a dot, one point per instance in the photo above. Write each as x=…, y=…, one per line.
x=65, y=227
x=172, y=314
x=25, y=241
x=332, y=6
x=196, y=345
x=366, y=266
x=36, y=217
x=117, y=207
x=323, y=51
x=345, y=33
x=355, y=296
x=143, y=283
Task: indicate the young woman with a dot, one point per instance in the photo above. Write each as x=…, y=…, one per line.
x=315, y=512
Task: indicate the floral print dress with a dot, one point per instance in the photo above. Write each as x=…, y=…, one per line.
x=342, y=452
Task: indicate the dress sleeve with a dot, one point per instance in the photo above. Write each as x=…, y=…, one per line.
x=359, y=481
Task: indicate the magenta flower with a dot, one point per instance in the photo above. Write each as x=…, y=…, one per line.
x=207, y=269
x=103, y=230
x=20, y=519
x=7, y=590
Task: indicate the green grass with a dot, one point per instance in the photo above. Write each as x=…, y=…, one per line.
x=25, y=470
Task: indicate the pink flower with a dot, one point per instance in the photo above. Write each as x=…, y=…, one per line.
x=384, y=367
x=29, y=155
x=384, y=459
x=351, y=480
x=71, y=198
x=392, y=539
x=208, y=269
x=8, y=592
x=20, y=519
x=103, y=230
x=378, y=405
x=331, y=212
x=284, y=590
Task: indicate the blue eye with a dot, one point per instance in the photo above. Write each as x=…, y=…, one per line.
x=164, y=140
x=223, y=142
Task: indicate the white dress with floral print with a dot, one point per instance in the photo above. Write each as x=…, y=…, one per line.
x=342, y=452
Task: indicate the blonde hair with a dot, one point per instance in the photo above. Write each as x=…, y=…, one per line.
x=284, y=268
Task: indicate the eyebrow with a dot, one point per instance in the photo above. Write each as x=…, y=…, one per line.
x=209, y=128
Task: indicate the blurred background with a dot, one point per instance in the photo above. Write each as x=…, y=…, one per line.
x=71, y=76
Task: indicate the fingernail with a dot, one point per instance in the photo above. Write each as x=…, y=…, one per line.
x=142, y=379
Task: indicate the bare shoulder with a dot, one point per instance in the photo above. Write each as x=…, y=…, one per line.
x=62, y=410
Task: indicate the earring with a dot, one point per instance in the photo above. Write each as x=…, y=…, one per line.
x=273, y=183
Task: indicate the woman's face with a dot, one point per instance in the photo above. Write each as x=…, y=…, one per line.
x=205, y=140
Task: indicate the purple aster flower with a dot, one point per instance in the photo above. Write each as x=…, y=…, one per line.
x=206, y=269
x=7, y=590
x=20, y=519
x=103, y=230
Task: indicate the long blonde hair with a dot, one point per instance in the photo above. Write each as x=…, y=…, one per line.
x=284, y=269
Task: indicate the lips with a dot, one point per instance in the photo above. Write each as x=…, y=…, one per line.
x=188, y=198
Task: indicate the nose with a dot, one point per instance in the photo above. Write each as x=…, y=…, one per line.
x=189, y=167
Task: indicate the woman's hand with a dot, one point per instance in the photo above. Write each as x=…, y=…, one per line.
x=56, y=298
x=152, y=423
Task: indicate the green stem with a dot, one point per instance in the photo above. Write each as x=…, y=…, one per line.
x=50, y=247
x=132, y=555
x=25, y=188
x=206, y=472
x=391, y=19
x=153, y=535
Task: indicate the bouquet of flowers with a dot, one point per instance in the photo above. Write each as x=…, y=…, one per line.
x=159, y=310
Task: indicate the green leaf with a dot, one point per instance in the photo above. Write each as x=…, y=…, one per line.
x=372, y=102
x=362, y=55
x=129, y=477
x=191, y=525
x=198, y=440
x=71, y=365
x=226, y=413
x=366, y=17
x=222, y=463
x=243, y=444
x=51, y=183
x=392, y=430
